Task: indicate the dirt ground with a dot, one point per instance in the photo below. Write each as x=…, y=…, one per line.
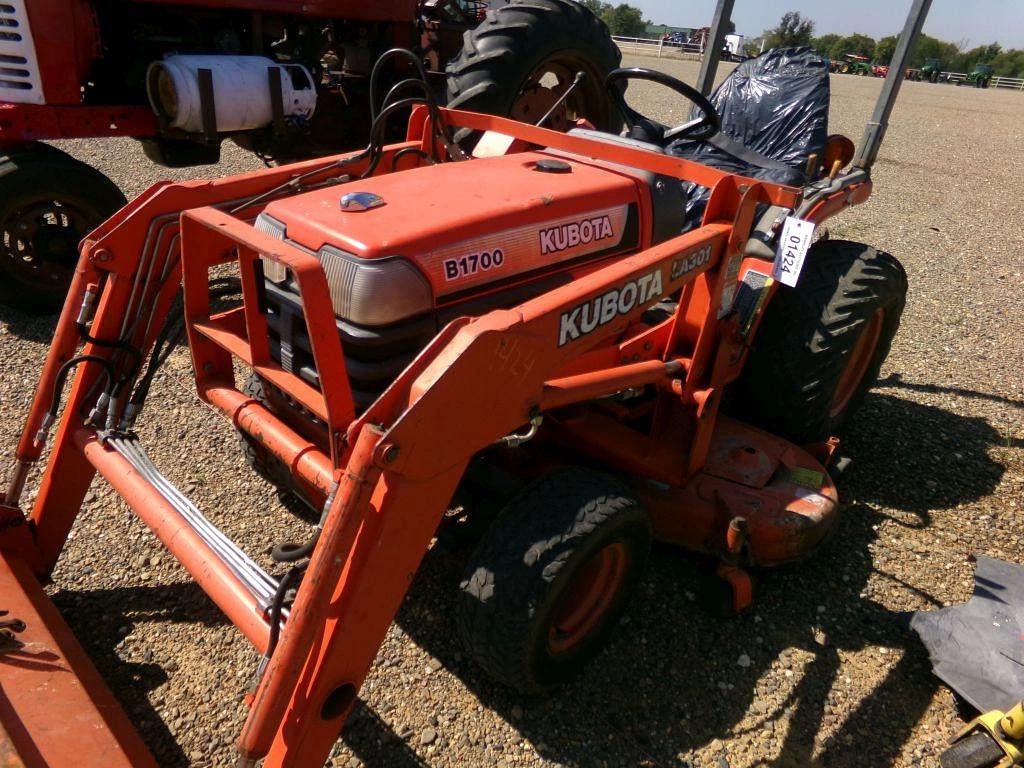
x=822, y=672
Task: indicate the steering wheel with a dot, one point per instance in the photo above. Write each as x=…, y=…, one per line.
x=700, y=128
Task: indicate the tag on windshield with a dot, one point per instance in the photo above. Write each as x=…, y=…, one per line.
x=793, y=244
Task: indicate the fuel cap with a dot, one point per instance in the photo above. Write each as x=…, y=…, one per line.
x=361, y=201
x=550, y=165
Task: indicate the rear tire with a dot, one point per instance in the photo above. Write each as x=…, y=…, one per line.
x=820, y=345
x=49, y=201
x=501, y=65
x=551, y=577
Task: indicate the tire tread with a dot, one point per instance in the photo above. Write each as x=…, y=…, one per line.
x=545, y=524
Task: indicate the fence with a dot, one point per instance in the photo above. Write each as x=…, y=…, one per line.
x=1016, y=83
x=660, y=48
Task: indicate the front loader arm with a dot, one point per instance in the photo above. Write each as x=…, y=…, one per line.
x=131, y=266
x=480, y=380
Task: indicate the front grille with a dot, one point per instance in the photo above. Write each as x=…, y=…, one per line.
x=19, y=71
x=373, y=356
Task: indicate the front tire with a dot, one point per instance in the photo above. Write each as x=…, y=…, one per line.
x=524, y=55
x=820, y=345
x=551, y=577
x=263, y=462
x=49, y=201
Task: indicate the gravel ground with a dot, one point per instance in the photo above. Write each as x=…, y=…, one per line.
x=821, y=672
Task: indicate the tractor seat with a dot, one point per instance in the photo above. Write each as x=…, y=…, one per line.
x=774, y=106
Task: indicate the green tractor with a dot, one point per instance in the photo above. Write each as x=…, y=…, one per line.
x=931, y=70
x=855, y=64
x=980, y=76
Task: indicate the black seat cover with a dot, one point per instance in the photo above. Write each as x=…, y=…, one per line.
x=776, y=105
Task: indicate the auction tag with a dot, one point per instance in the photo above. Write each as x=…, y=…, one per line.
x=793, y=244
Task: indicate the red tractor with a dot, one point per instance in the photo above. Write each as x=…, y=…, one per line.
x=284, y=78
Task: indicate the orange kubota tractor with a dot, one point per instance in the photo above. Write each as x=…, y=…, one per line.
x=603, y=337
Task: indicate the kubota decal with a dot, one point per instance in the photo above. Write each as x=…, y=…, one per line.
x=601, y=310
x=583, y=232
x=524, y=248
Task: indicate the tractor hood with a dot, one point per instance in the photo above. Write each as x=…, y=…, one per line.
x=414, y=240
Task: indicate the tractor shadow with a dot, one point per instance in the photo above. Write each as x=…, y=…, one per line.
x=675, y=679
x=102, y=618
x=897, y=381
x=34, y=328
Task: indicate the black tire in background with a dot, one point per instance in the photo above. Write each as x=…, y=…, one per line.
x=505, y=58
x=49, y=201
x=264, y=463
x=820, y=345
x=551, y=577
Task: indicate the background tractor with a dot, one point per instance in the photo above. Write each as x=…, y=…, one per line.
x=931, y=70
x=282, y=78
x=854, y=64
x=980, y=76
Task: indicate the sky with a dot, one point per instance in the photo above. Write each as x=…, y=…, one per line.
x=974, y=22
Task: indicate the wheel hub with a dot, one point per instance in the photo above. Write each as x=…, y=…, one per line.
x=857, y=363
x=534, y=102
x=587, y=600
x=40, y=241
x=54, y=242
x=543, y=89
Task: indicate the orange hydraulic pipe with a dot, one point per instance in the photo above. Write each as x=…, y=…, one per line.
x=303, y=457
x=587, y=386
x=210, y=572
x=62, y=347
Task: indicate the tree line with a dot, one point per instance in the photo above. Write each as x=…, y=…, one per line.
x=794, y=29
x=622, y=19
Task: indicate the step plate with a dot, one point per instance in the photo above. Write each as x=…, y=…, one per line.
x=55, y=709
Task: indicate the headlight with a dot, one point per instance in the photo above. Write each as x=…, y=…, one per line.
x=366, y=292
x=274, y=271
x=374, y=292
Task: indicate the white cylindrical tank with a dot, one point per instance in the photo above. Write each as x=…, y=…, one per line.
x=241, y=91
